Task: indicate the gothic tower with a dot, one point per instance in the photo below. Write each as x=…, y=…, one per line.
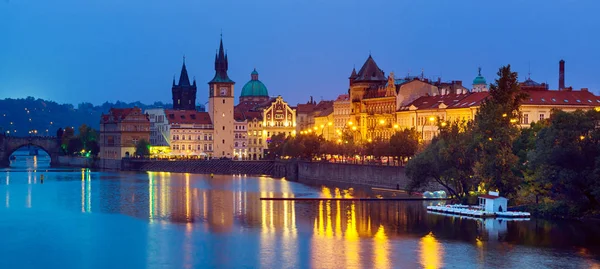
x=184, y=93
x=220, y=102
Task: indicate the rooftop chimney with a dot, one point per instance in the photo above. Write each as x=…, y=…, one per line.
x=561, y=75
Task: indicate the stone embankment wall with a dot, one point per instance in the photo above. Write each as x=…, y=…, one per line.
x=301, y=171
x=366, y=175
x=203, y=166
x=72, y=161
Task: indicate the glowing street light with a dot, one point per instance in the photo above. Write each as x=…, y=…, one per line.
x=382, y=122
x=350, y=123
x=396, y=126
x=329, y=123
x=353, y=128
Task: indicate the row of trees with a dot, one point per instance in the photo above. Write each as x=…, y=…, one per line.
x=401, y=146
x=84, y=143
x=555, y=163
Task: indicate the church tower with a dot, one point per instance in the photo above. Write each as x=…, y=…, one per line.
x=184, y=93
x=220, y=102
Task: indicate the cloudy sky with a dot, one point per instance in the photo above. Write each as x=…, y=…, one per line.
x=106, y=50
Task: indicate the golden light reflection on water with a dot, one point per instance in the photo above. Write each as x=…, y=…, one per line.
x=432, y=252
x=381, y=250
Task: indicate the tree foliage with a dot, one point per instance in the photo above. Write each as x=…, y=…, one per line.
x=142, y=148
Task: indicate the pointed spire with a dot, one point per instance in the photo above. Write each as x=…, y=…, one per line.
x=184, y=79
x=353, y=74
x=221, y=65
x=174, y=80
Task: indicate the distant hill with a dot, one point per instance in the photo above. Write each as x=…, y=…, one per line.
x=47, y=116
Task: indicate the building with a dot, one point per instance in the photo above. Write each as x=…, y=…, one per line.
x=324, y=124
x=259, y=117
x=184, y=93
x=479, y=83
x=304, y=111
x=240, y=144
x=220, y=102
x=424, y=113
x=375, y=99
x=159, y=127
x=120, y=131
x=341, y=112
x=191, y=133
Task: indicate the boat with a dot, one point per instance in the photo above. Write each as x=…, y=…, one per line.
x=491, y=205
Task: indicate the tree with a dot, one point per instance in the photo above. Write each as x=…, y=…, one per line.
x=142, y=148
x=566, y=160
x=404, y=144
x=74, y=146
x=495, y=132
x=448, y=161
x=67, y=135
x=276, y=145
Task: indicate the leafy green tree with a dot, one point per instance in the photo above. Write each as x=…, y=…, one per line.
x=448, y=161
x=142, y=148
x=495, y=131
x=566, y=160
x=404, y=144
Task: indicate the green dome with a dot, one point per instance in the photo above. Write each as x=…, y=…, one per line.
x=479, y=79
x=254, y=87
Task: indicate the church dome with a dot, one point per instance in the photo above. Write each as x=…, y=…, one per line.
x=254, y=87
x=479, y=79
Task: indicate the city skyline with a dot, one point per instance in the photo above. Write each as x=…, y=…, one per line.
x=130, y=52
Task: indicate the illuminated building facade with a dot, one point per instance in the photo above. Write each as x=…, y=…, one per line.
x=424, y=113
x=260, y=117
x=120, y=130
x=190, y=133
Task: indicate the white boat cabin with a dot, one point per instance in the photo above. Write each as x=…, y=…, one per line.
x=493, y=202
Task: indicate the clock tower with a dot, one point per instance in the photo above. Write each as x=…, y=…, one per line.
x=220, y=102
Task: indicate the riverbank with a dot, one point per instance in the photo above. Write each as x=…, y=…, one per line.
x=389, y=177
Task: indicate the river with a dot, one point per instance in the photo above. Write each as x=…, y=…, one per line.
x=77, y=218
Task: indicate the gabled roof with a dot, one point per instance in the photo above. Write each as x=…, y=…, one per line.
x=370, y=72
x=119, y=114
x=187, y=117
x=470, y=100
x=343, y=97
x=558, y=98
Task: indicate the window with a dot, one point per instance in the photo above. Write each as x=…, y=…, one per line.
x=223, y=141
x=542, y=116
x=189, y=147
x=223, y=101
x=223, y=128
x=236, y=144
x=525, y=119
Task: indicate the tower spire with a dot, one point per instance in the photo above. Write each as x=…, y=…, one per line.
x=184, y=79
x=221, y=64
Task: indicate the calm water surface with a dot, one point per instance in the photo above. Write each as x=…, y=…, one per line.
x=86, y=219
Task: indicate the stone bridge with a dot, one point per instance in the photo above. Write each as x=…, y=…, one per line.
x=8, y=145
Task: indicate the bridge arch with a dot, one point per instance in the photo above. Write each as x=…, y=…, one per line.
x=9, y=144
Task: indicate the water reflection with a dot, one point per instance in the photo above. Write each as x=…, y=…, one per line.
x=211, y=222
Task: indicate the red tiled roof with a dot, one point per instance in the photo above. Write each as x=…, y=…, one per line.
x=119, y=114
x=187, y=117
x=470, y=100
x=564, y=98
x=343, y=97
x=305, y=108
x=429, y=102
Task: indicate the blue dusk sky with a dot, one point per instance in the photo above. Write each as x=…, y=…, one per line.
x=106, y=50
